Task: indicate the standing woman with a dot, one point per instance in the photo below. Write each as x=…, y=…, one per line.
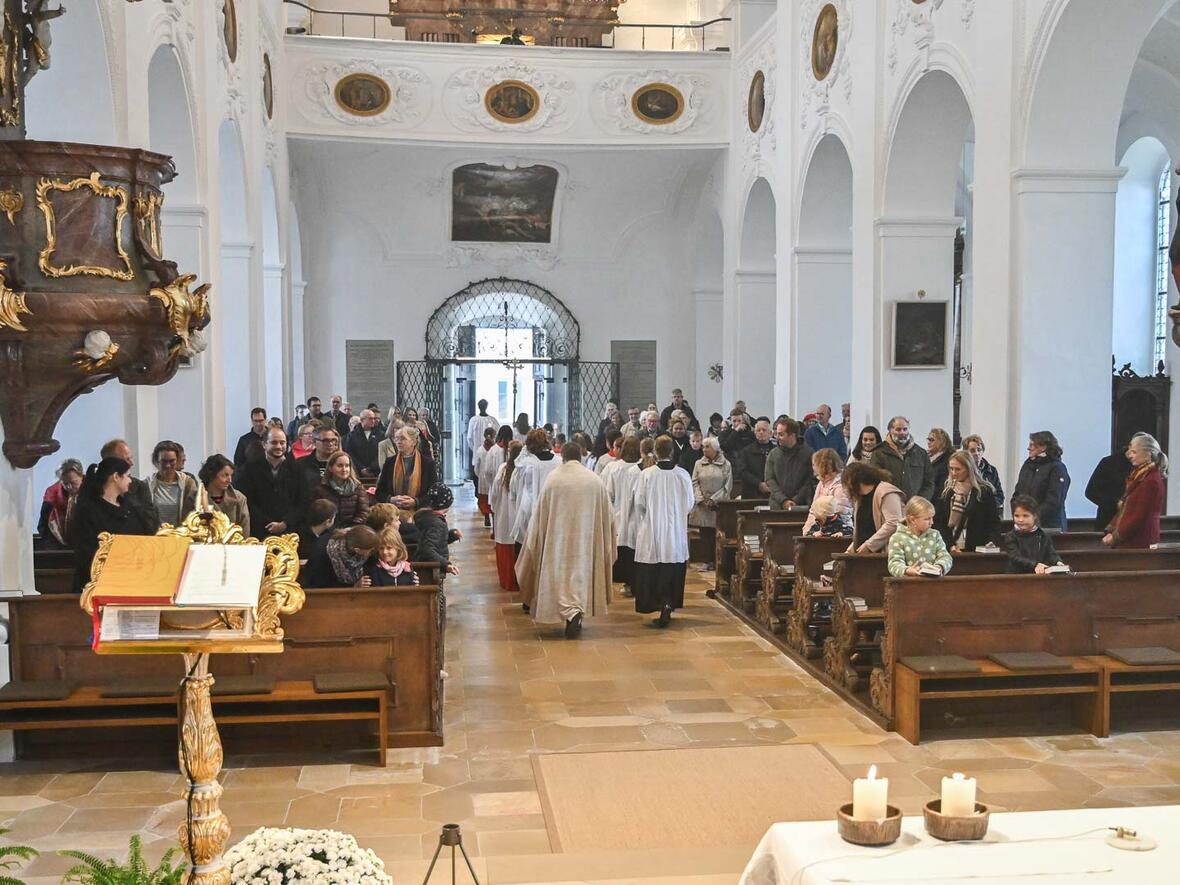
x=1044, y=477
x=878, y=507
x=965, y=510
x=58, y=505
x=493, y=459
x=621, y=478
x=217, y=476
x=504, y=516
x=388, y=446
x=99, y=509
x=869, y=439
x=712, y=481
x=341, y=486
x=407, y=476
x=938, y=448
x=1137, y=522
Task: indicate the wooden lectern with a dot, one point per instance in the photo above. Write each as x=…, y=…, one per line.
x=205, y=830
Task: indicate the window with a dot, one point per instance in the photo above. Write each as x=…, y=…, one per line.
x=1163, y=268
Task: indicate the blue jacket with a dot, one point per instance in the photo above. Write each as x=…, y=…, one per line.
x=833, y=439
x=1047, y=480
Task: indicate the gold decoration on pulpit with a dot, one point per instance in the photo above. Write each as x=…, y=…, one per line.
x=97, y=352
x=46, y=187
x=11, y=202
x=12, y=303
x=186, y=310
x=10, y=80
x=147, y=217
x=200, y=755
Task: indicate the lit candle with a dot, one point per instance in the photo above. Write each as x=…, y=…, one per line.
x=870, y=796
x=958, y=796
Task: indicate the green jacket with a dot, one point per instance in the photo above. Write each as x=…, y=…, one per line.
x=906, y=549
x=911, y=470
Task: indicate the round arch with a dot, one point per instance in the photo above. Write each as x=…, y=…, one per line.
x=557, y=335
x=170, y=123
x=755, y=309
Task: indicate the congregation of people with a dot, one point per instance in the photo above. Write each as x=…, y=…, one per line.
x=572, y=519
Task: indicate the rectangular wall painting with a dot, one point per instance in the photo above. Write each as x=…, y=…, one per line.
x=495, y=204
x=919, y=335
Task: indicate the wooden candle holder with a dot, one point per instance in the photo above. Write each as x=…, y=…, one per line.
x=869, y=832
x=955, y=829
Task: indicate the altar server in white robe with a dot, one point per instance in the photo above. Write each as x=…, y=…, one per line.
x=533, y=467
x=478, y=424
x=489, y=464
x=564, y=565
x=663, y=500
x=621, y=478
x=504, y=518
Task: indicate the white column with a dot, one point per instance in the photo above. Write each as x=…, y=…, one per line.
x=270, y=326
x=20, y=507
x=823, y=315
x=1063, y=315
x=706, y=397
x=754, y=317
x=298, y=361
x=916, y=255
x=234, y=346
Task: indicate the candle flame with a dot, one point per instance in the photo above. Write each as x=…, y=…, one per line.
x=872, y=772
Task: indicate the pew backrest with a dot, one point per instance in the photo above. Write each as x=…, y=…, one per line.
x=727, y=512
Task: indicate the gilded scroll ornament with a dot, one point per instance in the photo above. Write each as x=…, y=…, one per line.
x=11, y=202
x=147, y=217
x=97, y=352
x=12, y=304
x=10, y=83
x=47, y=186
x=203, y=835
x=187, y=311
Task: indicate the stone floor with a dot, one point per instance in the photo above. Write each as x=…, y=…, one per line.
x=515, y=689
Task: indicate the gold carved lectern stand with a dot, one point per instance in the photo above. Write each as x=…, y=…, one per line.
x=205, y=830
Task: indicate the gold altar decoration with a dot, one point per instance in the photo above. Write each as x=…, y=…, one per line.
x=11, y=202
x=12, y=303
x=86, y=363
x=186, y=309
x=147, y=216
x=205, y=830
x=46, y=187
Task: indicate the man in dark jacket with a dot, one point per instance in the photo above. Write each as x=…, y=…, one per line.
x=311, y=469
x=1107, y=484
x=788, y=467
x=338, y=417
x=907, y=463
x=362, y=444
x=750, y=465
x=139, y=495
x=274, y=489
x=678, y=402
x=251, y=443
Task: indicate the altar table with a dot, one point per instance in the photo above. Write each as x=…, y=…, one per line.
x=1041, y=847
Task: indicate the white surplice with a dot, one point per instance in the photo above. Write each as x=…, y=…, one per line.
x=663, y=500
x=489, y=465
x=475, y=428
x=527, y=479
x=621, y=479
x=503, y=513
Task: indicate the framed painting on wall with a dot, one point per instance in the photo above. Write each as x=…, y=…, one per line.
x=919, y=335
x=496, y=204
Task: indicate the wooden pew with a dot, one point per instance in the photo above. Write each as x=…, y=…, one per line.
x=776, y=598
x=1071, y=540
x=854, y=648
x=746, y=584
x=397, y=631
x=727, y=540
x=46, y=559
x=810, y=612
x=1077, y=617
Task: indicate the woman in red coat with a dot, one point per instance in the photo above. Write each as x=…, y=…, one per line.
x=1137, y=522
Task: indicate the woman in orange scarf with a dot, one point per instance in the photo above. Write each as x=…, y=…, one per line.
x=406, y=476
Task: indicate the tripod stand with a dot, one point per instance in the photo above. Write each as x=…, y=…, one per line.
x=452, y=836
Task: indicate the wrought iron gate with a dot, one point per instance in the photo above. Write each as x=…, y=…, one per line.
x=592, y=386
x=420, y=386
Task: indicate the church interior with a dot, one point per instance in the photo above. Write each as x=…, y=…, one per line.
x=956, y=211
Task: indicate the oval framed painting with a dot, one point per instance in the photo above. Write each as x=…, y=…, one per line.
x=511, y=101
x=825, y=42
x=363, y=94
x=229, y=28
x=268, y=87
x=657, y=103
x=756, y=102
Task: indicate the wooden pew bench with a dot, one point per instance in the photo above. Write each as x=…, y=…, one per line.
x=746, y=585
x=810, y=614
x=778, y=575
x=727, y=540
x=1076, y=617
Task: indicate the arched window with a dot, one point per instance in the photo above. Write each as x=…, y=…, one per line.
x=1163, y=274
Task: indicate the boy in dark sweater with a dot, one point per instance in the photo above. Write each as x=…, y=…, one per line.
x=435, y=537
x=1030, y=550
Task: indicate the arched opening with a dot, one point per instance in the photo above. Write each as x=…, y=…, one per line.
x=275, y=314
x=924, y=250
x=232, y=317
x=755, y=291
x=823, y=281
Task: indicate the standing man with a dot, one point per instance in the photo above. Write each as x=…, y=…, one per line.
x=564, y=569
x=250, y=443
x=789, y=474
x=633, y=420
x=315, y=409
x=273, y=488
x=298, y=421
x=138, y=495
x=476, y=425
x=663, y=500
x=362, y=442
x=750, y=464
x=311, y=469
x=907, y=464
x=338, y=416
x=651, y=425
x=825, y=435
x=679, y=403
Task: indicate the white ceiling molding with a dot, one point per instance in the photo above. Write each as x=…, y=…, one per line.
x=502, y=255
x=613, y=96
x=409, y=89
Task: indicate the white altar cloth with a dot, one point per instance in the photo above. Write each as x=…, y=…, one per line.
x=1029, y=848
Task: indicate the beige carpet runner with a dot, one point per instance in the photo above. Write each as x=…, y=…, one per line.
x=692, y=798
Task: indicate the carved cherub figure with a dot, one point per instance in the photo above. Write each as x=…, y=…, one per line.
x=37, y=36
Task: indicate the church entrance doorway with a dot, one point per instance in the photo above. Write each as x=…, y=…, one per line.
x=514, y=344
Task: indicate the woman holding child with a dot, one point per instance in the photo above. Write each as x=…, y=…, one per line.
x=828, y=469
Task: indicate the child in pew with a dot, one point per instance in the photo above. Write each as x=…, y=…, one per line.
x=341, y=561
x=321, y=517
x=827, y=523
x=390, y=567
x=916, y=543
x=1030, y=550
x=435, y=536
x=383, y=515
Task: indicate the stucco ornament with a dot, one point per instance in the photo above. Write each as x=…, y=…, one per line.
x=409, y=89
x=502, y=255
x=756, y=147
x=465, y=90
x=613, y=101
x=816, y=95
x=915, y=23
